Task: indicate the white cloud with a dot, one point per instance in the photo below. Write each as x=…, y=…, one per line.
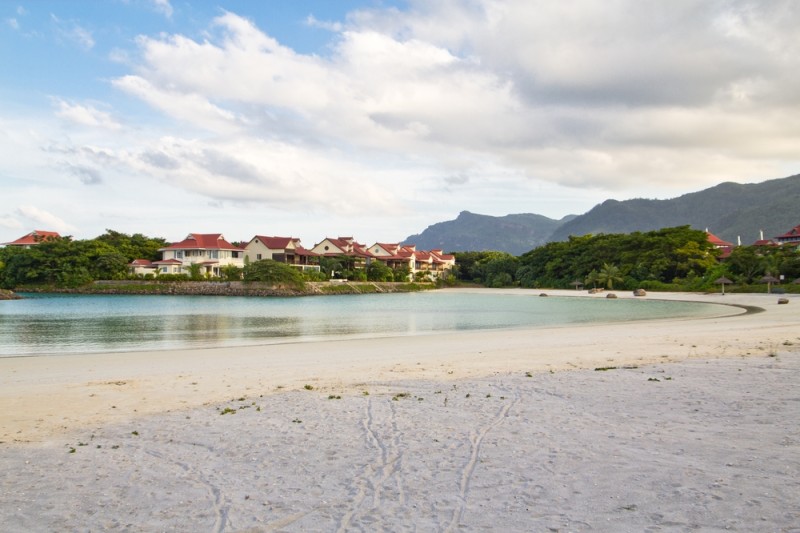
x=509, y=82
x=43, y=218
x=9, y=222
x=12, y=23
x=85, y=115
x=163, y=7
x=74, y=32
x=313, y=22
x=450, y=105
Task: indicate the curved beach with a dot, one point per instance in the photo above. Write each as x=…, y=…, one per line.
x=691, y=425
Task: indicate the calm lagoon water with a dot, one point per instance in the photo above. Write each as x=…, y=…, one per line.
x=65, y=324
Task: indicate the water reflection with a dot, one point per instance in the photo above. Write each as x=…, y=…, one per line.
x=75, y=324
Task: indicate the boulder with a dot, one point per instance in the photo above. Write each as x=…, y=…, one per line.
x=543, y=294
x=640, y=292
x=783, y=300
x=8, y=295
x=611, y=295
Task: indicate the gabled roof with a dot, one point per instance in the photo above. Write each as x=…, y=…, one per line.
x=302, y=251
x=716, y=241
x=202, y=241
x=141, y=263
x=791, y=235
x=765, y=242
x=276, y=243
x=34, y=237
x=347, y=245
x=168, y=262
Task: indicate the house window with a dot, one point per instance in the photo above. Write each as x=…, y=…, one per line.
x=258, y=257
x=214, y=254
x=179, y=254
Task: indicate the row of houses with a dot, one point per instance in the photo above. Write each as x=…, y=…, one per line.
x=790, y=238
x=212, y=252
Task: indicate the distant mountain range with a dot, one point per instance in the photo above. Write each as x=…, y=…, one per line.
x=729, y=210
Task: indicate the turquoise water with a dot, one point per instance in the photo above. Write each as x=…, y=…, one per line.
x=65, y=324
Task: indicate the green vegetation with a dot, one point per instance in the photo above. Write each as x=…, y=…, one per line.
x=278, y=274
x=668, y=259
x=63, y=262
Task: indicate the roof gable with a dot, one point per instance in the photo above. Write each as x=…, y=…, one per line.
x=34, y=237
x=277, y=243
x=202, y=241
x=792, y=234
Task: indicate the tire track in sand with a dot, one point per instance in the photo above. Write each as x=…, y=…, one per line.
x=475, y=440
x=385, y=465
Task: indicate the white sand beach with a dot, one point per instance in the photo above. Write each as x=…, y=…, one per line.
x=693, y=426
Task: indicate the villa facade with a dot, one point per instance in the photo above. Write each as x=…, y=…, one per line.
x=791, y=237
x=209, y=250
x=282, y=249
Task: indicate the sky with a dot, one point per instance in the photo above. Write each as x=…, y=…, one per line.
x=377, y=118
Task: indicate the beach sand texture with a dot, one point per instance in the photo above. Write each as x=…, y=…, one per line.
x=694, y=429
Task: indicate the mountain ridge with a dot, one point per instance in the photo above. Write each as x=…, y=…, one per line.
x=729, y=210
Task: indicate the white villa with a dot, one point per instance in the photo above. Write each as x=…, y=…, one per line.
x=210, y=250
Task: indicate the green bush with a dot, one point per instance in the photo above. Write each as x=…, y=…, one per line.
x=275, y=273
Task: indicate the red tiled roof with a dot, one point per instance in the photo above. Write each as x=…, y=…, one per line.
x=202, y=241
x=34, y=237
x=792, y=235
x=168, y=262
x=140, y=262
x=302, y=251
x=716, y=241
x=276, y=243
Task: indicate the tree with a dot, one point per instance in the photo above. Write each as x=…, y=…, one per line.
x=745, y=263
x=231, y=273
x=379, y=271
x=608, y=275
x=278, y=274
x=195, y=271
x=593, y=278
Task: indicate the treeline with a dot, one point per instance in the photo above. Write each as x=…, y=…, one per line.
x=66, y=263
x=677, y=258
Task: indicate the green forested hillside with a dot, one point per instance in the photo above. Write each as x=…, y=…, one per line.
x=729, y=210
x=515, y=234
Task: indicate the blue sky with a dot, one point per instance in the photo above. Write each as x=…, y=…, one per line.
x=377, y=118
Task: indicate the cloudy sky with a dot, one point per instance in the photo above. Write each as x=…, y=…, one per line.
x=377, y=118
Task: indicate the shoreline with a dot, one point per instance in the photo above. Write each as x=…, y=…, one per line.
x=104, y=387
x=670, y=424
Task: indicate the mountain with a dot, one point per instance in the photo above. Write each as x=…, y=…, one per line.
x=729, y=210
x=515, y=234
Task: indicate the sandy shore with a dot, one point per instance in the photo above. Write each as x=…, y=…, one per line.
x=696, y=428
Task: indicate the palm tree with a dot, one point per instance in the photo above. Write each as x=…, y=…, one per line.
x=608, y=275
x=591, y=279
